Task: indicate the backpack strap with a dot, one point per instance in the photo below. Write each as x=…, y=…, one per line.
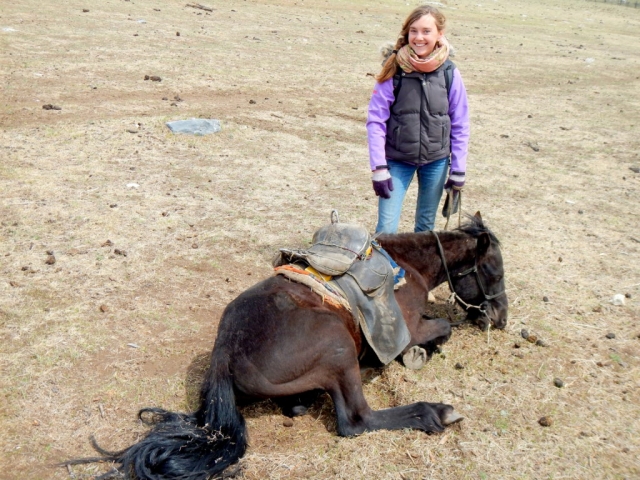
x=449, y=67
x=397, y=83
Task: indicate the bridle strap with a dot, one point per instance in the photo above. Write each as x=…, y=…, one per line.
x=454, y=296
x=474, y=269
x=444, y=261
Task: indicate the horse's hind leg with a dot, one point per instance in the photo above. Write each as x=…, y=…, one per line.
x=296, y=405
x=355, y=416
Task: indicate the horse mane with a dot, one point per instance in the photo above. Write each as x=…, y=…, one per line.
x=474, y=226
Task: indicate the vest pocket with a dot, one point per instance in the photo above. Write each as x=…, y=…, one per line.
x=392, y=132
x=446, y=134
x=396, y=136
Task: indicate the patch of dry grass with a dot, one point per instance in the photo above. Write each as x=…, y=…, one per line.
x=209, y=212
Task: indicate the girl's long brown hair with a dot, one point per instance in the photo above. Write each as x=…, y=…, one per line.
x=390, y=66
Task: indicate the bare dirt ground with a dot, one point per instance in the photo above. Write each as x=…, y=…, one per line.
x=153, y=234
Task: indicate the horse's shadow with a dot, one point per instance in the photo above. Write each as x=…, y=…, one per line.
x=442, y=309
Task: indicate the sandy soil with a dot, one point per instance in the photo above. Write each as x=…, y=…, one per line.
x=153, y=233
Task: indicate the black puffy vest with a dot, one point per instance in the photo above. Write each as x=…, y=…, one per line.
x=419, y=127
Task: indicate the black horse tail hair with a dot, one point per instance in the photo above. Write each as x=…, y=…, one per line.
x=195, y=446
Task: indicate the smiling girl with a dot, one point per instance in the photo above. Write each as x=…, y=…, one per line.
x=418, y=122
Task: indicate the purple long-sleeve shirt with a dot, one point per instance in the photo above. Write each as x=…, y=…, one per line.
x=379, y=111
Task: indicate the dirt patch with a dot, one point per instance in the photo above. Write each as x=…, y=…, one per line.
x=193, y=221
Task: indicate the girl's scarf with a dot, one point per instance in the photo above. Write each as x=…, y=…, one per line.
x=410, y=62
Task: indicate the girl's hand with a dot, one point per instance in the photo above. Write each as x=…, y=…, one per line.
x=455, y=181
x=382, y=183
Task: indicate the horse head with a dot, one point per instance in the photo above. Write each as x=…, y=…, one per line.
x=481, y=287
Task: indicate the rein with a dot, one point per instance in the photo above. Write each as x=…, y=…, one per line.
x=449, y=206
x=454, y=295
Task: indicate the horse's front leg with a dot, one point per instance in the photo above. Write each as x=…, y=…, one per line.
x=355, y=416
x=426, y=335
x=431, y=332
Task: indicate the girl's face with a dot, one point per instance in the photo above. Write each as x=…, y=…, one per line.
x=423, y=35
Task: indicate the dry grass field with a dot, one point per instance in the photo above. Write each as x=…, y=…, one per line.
x=154, y=233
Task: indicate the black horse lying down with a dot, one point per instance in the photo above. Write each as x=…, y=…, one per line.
x=280, y=340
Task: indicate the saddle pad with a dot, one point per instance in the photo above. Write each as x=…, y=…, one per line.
x=322, y=288
x=313, y=271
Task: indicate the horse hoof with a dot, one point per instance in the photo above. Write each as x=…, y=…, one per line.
x=451, y=418
x=415, y=358
x=298, y=411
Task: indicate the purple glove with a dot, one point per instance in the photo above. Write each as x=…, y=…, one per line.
x=455, y=181
x=382, y=183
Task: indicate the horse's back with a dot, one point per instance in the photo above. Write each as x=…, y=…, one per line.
x=274, y=300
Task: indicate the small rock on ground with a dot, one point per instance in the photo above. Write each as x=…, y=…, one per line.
x=618, y=299
x=545, y=421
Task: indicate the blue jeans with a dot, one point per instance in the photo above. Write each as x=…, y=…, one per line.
x=431, y=178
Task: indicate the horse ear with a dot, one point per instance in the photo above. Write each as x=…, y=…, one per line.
x=484, y=242
x=478, y=216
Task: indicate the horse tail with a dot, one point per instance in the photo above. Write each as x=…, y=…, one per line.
x=194, y=446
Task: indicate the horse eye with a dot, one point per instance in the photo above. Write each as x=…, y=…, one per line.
x=488, y=270
x=492, y=274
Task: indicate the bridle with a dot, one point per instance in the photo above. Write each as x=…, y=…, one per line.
x=454, y=295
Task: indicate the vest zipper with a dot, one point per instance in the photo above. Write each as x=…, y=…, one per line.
x=424, y=98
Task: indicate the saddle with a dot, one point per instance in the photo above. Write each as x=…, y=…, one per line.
x=335, y=247
x=343, y=260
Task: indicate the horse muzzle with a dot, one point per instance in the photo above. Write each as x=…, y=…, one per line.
x=496, y=312
x=490, y=313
